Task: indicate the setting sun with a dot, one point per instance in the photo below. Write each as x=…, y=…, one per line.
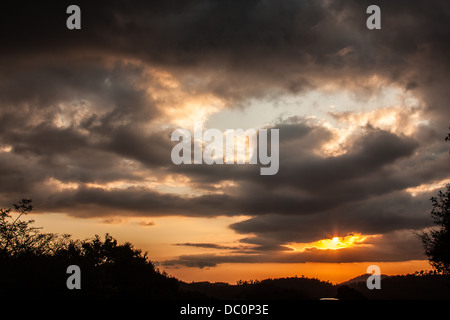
x=335, y=243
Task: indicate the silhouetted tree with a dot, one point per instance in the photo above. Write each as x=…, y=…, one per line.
x=113, y=270
x=34, y=264
x=18, y=237
x=437, y=241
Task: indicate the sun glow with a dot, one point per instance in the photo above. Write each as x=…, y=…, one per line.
x=335, y=243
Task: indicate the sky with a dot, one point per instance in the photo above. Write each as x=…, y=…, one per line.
x=86, y=117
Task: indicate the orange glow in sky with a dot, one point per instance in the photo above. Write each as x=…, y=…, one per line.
x=333, y=272
x=334, y=243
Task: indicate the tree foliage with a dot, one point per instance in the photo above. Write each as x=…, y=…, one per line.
x=34, y=264
x=437, y=241
x=18, y=237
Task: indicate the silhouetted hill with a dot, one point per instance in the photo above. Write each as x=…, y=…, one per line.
x=345, y=292
x=402, y=287
x=270, y=289
x=408, y=287
x=361, y=278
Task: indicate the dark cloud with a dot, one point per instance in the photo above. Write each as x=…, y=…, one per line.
x=281, y=45
x=208, y=246
x=89, y=202
x=147, y=223
x=378, y=215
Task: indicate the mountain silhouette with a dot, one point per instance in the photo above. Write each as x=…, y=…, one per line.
x=419, y=286
x=361, y=278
